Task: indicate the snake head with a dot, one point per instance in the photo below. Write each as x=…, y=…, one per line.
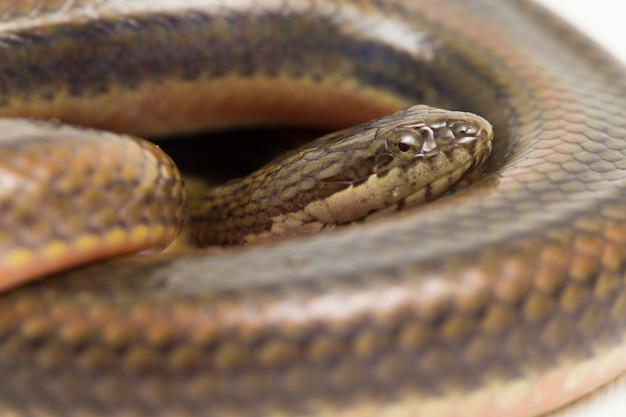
x=430, y=131
x=411, y=156
x=415, y=155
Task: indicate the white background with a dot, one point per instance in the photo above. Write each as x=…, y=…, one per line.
x=605, y=21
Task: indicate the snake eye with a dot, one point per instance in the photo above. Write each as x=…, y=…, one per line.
x=407, y=142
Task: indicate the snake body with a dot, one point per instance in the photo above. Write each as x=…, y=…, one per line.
x=506, y=298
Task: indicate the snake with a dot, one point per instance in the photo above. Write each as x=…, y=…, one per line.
x=505, y=297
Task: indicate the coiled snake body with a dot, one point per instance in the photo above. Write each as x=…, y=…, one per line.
x=506, y=298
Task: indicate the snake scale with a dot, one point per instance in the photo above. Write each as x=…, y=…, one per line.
x=505, y=298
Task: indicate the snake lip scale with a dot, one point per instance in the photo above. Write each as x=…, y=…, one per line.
x=506, y=297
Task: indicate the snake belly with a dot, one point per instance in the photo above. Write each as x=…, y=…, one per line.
x=506, y=298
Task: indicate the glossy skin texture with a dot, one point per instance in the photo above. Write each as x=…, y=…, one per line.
x=103, y=206
x=505, y=299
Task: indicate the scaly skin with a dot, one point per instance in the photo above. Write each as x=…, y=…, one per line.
x=505, y=299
